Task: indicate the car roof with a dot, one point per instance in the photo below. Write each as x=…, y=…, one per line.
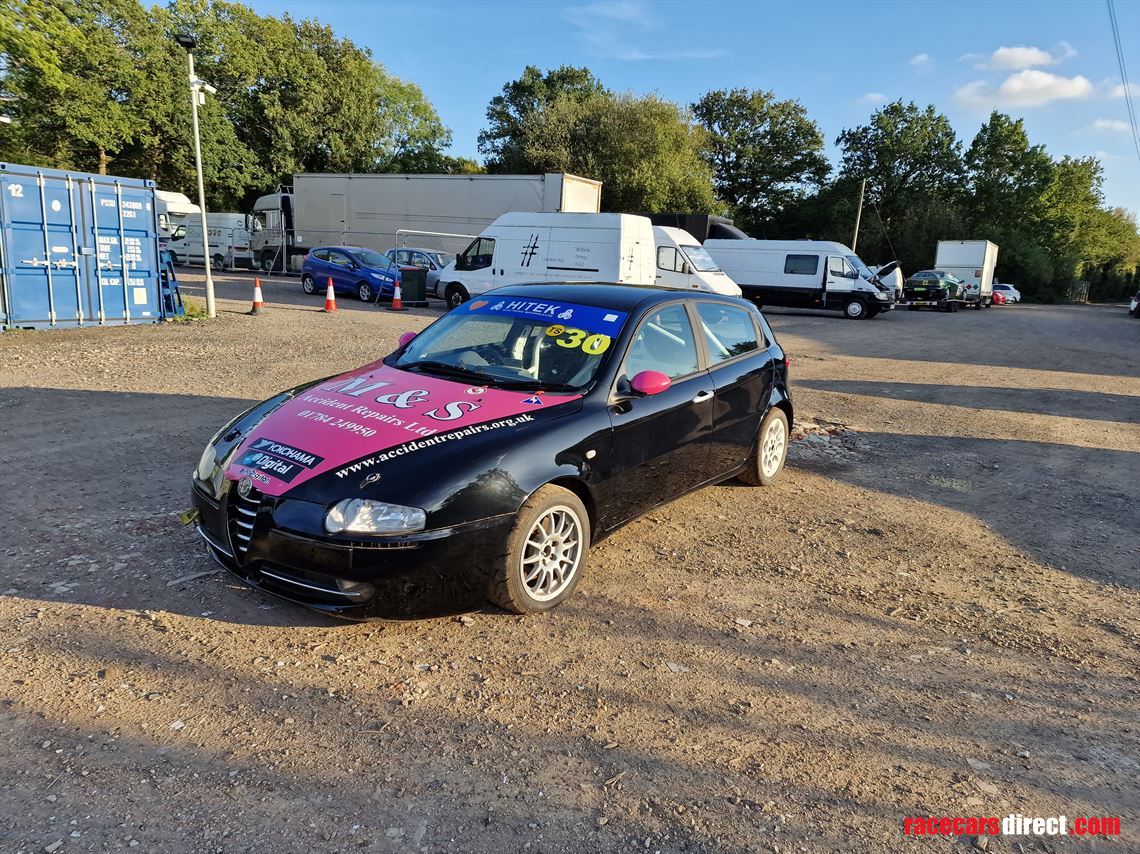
x=345, y=248
x=603, y=295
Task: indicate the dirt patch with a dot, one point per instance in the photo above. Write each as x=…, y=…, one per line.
x=934, y=613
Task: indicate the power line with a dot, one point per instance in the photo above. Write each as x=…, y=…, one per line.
x=1124, y=77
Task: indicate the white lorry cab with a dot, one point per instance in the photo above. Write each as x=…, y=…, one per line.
x=802, y=274
x=174, y=211
x=579, y=247
x=683, y=263
x=229, y=234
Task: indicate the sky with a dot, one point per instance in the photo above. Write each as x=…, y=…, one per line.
x=1051, y=62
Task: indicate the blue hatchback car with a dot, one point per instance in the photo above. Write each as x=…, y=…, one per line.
x=352, y=269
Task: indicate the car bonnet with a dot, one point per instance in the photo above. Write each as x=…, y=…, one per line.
x=373, y=410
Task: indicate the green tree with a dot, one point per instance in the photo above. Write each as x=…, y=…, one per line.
x=644, y=150
x=912, y=161
x=766, y=154
x=1005, y=179
x=510, y=113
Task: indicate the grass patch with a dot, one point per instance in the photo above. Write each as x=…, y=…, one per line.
x=194, y=311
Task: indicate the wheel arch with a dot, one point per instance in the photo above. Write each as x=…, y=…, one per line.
x=580, y=489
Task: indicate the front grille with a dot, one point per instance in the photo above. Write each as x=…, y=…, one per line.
x=242, y=513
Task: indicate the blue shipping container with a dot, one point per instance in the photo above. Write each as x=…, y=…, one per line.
x=76, y=249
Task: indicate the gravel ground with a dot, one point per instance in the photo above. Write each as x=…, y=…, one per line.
x=935, y=612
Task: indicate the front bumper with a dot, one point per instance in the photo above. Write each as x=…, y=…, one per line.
x=428, y=574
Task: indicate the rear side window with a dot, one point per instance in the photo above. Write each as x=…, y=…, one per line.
x=320, y=254
x=730, y=331
x=802, y=265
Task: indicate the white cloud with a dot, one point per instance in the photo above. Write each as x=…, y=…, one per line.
x=1117, y=91
x=611, y=30
x=873, y=98
x=1111, y=125
x=922, y=61
x=1024, y=56
x=1028, y=88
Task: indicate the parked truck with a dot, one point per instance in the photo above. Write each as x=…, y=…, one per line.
x=368, y=210
x=973, y=263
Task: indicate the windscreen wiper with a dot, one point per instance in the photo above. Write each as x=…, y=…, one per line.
x=448, y=370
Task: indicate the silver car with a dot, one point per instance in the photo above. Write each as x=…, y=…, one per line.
x=432, y=260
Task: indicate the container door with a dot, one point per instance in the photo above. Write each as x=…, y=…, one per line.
x=120, y=224
x=42, y=285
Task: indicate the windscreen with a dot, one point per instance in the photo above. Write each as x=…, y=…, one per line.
x=700, y=259
x=371, y=259
x=509, y=342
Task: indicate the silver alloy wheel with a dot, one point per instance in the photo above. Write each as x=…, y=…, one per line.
x=552, y=553
x=772, y=449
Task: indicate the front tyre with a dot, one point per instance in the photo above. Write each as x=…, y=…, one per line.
x=545, y=553
x=767, y=461
x=855, y=309
x=455, y=295
x=364, y=291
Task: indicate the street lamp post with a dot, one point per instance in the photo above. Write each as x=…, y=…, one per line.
x=198, y=88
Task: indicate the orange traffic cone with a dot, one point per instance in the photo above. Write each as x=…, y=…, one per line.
x=330, y=297
x=258, y=302
x=397, y=299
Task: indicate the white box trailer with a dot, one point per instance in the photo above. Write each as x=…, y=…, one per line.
x=368, y=210
x=625, y=249
x=973, y=262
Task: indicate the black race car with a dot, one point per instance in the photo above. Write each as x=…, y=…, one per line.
x=484, y=456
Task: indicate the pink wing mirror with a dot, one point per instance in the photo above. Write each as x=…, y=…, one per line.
x=406, y=338
x=650, y=382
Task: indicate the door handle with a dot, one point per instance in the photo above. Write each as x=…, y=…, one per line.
x=702, y=396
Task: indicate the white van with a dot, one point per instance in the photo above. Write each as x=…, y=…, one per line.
x=174, y=211
x=802, y=274
x=579, y=247
x=229, y=235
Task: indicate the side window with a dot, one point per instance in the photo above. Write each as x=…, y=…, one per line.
x=421, y=260
x=664, y=342
x=404, y=256
x=802, y=265
x=668, y=259
x=320, y=254
x=729, y=331
x=338, y=258
x=478, y=255
x=835, y=266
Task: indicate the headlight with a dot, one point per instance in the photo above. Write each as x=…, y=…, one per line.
x=377, y=276
x=881, y=295
x=205, y=468
x=361, y=516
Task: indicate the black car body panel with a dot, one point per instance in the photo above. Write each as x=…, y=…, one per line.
x=621, y=453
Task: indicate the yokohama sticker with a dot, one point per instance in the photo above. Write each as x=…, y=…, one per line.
x=282, y=461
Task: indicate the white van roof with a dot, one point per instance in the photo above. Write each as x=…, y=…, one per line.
x=677, y=235
x=784, y=245
x=568, y=220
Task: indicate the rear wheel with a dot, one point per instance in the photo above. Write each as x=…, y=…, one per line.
x=364, y=291
x=545, y=554
x=767, y=461
x=218, y=262
x=308, y=285
x=455, y=295
x=855, y=309
x=268, y=261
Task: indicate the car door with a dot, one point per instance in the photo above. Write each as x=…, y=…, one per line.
x=340, y=268
x=660, y=442
x=742, y=369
